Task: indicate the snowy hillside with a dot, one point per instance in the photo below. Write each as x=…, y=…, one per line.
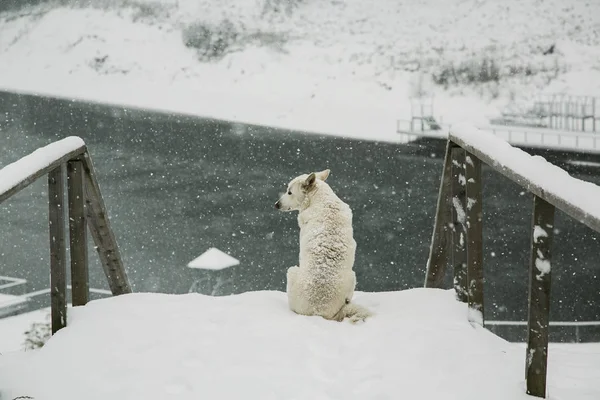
x=250, y=346
x=341, y=67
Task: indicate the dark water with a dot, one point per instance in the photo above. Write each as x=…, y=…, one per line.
x=175, y=186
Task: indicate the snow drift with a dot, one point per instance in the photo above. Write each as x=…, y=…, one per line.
x=155, y=346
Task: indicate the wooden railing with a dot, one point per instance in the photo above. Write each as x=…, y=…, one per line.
x=86, y=208
x=458, y=238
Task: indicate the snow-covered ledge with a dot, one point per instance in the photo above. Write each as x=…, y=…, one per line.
x=23, y=172
x=579, y=199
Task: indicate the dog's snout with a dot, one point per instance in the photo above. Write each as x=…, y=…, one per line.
x=278, y=205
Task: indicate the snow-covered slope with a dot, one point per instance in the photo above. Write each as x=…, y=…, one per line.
x=326, y=66
x=153, y=346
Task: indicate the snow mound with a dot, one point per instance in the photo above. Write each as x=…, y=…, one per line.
x=250, y=346
x=213, y=259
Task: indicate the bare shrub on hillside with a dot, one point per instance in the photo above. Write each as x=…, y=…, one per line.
x=214, y=41
x=488, y=70
x=211, y=41
x=278, y=7
x=37, y=335
x=143, y=10
x=468, y=72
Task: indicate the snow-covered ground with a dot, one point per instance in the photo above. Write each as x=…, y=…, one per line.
x=154, y=346
x=346, y=68
x=13, y=329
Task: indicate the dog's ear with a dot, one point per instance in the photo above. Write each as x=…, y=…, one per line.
x=309, y=183
x=323, y=174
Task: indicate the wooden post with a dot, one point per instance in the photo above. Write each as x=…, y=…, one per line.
x=104, y=238
x=58, y=266
x=459, y=223
x=474, y=238
x=539, y=297
x=438, y=251
x=77, y=233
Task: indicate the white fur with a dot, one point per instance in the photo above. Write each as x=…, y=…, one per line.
x=323, y=283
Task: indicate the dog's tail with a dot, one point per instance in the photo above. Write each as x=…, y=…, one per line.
x=355, y=312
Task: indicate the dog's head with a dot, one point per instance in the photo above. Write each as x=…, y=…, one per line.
x=298, y=189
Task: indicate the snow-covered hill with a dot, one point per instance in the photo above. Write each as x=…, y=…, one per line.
x=342, y=67
x=250, y=346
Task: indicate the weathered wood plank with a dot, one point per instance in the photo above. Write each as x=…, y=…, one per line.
x=100, y=229
x=38, y=174
x=562, y=204
x=539, y=297
x=58, y=264
x=459, y=223
x=438, y=251
x=474, y=238
x=78, y=233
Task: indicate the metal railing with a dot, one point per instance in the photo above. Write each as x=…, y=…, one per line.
x=516, y=135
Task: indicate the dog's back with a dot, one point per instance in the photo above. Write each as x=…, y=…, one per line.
x=323, y=283
x=326, y=235
x=327, y=253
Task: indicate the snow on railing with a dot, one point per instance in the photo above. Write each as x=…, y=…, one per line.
x=25, y=171
x=458, y=235
x=577, y=198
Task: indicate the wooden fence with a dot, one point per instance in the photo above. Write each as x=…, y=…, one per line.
x=85, y=204
x=457, y=235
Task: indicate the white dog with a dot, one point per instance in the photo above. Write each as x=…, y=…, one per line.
x=323, y=284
